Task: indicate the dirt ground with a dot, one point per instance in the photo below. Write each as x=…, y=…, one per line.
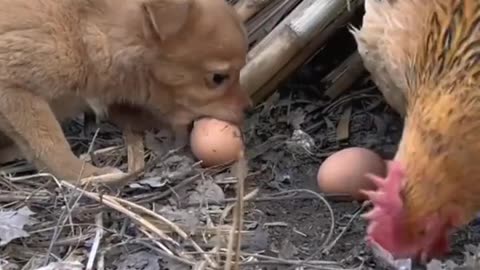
x=288, y=137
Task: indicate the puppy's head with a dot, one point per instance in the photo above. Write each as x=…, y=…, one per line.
x=197, y=50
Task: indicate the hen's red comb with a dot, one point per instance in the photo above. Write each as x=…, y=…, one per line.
x=386, y=199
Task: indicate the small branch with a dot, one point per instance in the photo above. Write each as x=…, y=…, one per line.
x=342, y=77
x=116, y=203
x=96, y=241
x=135, y=150
x=240, y=170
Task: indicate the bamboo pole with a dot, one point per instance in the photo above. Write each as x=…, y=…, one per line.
x=293, y=41
x=268, y=18
x=342, y=77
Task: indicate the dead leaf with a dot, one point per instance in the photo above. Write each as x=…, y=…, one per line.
x=287, y=250
x=187, y=218
x=296, y=118
x=158, y=142
x=300, y=142
x=11, y=224
x=176, y=265
x=176, y=167
x=206, y=191
x=343, y=127
x=6, y=265
x=256, y=241
x=154, y=182
x=141, y=260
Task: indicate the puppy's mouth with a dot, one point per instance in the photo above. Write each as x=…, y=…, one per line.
x=226, y=116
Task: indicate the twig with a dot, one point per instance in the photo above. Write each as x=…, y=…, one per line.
x=240, y=170
x=88, y=156
x=229, y=207
x=96, y=241
x=160, y=251
x=101, y=261
x=66, y=214
x=332, y=224
x=115, y=203
x=157, y=196
x=343, y=76
x=172, y=225
x=160, y=245
x=135, y=150
x=313, y=264
x=345, y=228
x=112, y=203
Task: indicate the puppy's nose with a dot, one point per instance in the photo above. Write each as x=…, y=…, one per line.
x=248, y=109
x=248, y=105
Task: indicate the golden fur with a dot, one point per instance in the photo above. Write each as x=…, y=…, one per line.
x=176, y=60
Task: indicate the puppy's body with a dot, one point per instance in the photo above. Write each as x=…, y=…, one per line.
x=176, y=59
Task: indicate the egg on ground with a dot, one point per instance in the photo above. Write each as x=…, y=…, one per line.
x=216, y=142
x=345, y=170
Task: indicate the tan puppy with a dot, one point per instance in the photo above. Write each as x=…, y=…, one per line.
x=177, y=59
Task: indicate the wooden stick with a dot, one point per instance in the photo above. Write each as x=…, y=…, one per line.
x=343, y=76
x=287, y=42
x=135, y=150
x=339, y=79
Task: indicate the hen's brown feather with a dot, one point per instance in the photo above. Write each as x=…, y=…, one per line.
x=441, y=141
x=425, y=58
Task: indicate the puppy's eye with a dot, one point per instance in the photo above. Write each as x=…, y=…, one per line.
x=219, y=78
x=215, y=80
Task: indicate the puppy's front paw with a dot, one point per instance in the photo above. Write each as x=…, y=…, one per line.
x=108, y=170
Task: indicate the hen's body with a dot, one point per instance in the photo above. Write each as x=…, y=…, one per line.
x=425, y=58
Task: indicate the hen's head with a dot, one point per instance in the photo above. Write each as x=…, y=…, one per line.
x=391, y=227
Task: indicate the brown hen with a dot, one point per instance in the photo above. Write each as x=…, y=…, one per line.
x=424, y=56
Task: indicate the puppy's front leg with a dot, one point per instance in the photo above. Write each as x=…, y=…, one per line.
x=180, y=136
x=29, y=121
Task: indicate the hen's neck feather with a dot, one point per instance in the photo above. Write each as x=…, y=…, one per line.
x=449, y=51
x=440, y=149
x=441, y=142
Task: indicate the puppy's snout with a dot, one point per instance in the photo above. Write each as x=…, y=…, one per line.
x=246, y=102
x=248, y=109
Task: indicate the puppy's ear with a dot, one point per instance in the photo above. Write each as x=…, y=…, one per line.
x=164, y=18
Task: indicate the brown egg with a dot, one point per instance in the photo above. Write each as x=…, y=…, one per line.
x=344, y=171
x=215, y=142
